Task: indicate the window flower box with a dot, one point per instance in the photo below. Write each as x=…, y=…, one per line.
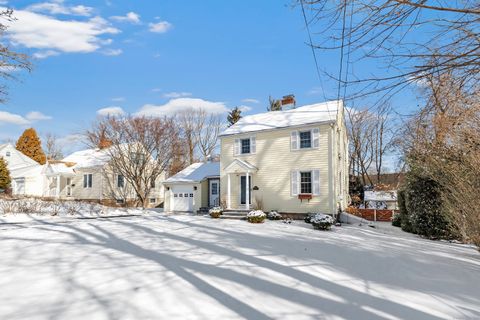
x=305, y=196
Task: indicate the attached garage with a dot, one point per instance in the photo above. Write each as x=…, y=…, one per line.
x=182, y=198
x=195, y=187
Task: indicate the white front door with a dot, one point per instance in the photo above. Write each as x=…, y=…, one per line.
x=214, y=193
x=182, y=198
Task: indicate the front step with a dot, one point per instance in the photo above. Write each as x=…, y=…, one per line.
x=239, y=214
x=233, y=217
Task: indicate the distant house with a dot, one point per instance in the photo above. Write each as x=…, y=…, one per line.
x=292, y=161
x=195, y=187
x=382, y=200
x=25, y=172
x=95, y=180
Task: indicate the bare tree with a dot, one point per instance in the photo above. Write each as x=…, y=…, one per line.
x=53, y=150
x=140, y=151
x=410, y=40
x=371, y=140
x=10, y=61
x=188, y=122
x=274, y=104
x=207, y=133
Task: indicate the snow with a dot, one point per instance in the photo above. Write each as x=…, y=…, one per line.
x=196, y=172
x=380, y=195
x=88, y=158
x=310, y=114
x=256, y=213
x=189, y=267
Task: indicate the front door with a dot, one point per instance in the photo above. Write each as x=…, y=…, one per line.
x=214, y=200
x=243, y=190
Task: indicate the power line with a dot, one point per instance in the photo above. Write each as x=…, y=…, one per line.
x=313, y=49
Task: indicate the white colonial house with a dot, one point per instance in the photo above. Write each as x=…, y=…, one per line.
x=291, y=161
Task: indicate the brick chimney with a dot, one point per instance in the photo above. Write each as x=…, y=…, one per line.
x=288, y=102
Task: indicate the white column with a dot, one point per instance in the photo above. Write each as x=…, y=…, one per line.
x=247, y=191
x=229, y=188
x=58, y=186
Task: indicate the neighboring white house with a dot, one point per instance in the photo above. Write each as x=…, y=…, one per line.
x=293, y=161
x=25, y=172
x=195, y=187
x=386, y=200
x=95, y=180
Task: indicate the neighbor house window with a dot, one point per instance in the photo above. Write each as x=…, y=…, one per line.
x=120, y=181
x=245, y=146
x=87, y=180
x=305, y=139
x=120, y=201
x=306, y=182
x=152, y=184
x=153, y=200
x=137, y=158
x=8, y=154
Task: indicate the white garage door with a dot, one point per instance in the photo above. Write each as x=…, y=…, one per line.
x=182, y=198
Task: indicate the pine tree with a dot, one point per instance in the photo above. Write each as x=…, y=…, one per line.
x=275, y=105
x=234, y=115
x=5, y=179
x=30, y=145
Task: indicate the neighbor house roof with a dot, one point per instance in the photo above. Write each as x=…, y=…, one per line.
x=196, y=172
x=22, y=160
x=310, y=114
x=88, y=158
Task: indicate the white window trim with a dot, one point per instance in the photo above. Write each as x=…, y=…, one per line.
x=87, y=184
x=314, y=137
x=237, y=146
x=295, y=182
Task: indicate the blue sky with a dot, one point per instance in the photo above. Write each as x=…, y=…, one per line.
x=155, y=57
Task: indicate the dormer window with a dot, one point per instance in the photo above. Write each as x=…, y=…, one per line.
x=245, y=146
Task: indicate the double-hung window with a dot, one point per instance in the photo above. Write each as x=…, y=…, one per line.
x=306, y=182
x=88, y=180
x=245, y=146
x=120, y=181
x=305, y=139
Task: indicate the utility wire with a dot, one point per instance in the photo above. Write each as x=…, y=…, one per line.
x=313, y=49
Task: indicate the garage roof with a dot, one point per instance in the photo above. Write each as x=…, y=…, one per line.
x=196, y=173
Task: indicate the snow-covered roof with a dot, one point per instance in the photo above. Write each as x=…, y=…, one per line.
x=309, y=114
x=380, y=196
x=88, y=158
x=28, y=171
x=54, y=169
x=17, y=159
x=196, y=173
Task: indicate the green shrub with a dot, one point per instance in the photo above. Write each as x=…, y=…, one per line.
x=322, y=221
x=425, y=213
x=215, y=212
x=257, y=216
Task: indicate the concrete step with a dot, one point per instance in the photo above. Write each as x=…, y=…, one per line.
x=236, y=213
x=234, y=217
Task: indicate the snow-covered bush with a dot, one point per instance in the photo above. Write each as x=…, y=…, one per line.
x=215, y=212
x=322, y=221
x=274, y=215
x=308, y=218
x=256, y=216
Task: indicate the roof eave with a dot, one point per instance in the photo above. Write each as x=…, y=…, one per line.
x=278, y=128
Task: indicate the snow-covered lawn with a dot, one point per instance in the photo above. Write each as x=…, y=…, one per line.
x=182, y=267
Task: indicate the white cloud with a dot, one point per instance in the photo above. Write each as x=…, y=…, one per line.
x=37, y=116
x=176, y=105
x=11, y=118
x=130, y=17
x=118, y=99
x=38, y=31
x=45, y=54
x=112, y=52
x=58, y=7
x=160, y=27
x=174, y=95
x=249, y=100
x=245, y=108
x=111, y=111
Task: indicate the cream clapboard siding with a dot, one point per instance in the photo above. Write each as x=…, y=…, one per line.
x=94, y=193
x=275, y=161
